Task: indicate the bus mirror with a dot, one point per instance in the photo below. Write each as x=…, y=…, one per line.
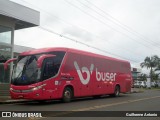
x=7, y=62
x=41, y=59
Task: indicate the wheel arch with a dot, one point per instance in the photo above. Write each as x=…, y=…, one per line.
x=118, y=86
x=69, y=86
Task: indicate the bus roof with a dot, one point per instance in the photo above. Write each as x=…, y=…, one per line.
x=44, y=50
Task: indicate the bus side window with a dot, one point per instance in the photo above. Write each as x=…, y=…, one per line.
x=49, y=69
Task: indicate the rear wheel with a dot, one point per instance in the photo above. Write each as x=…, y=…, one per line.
x=67, y=94
x=41, y=101
x=116, y=91
x=96, y=96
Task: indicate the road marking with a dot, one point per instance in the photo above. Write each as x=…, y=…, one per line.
x=143, y=99
x=113, y=104
x=100, y=106
x=96, y=107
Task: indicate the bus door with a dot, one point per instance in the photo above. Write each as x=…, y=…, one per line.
x=49, y=71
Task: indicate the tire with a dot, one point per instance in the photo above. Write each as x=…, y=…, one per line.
x=67, y=95
x=116, y=91
x=97, y=96
x=41, y=101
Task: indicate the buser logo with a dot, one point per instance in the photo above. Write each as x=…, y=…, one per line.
x=105, y=76
x=100, y=76
x=84, y=70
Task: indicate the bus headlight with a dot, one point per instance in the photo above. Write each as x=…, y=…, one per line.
x=38, y=87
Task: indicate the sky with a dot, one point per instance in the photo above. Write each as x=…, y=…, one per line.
x=125, y=29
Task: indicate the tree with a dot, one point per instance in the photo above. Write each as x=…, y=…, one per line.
x=158, y=66
x=154, y=76
x=143, y=77
x=150, y=62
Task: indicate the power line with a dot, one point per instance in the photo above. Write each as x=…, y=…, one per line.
x=126, y=50
x=106, y=24
x=103, y=22
x=74, y=25
x=117, y=22
x=60, y=35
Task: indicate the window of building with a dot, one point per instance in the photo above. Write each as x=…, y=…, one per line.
x=5, y=34
x=5, y=54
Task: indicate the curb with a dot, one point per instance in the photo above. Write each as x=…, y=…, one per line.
x=10, y=101
x=136, y=90
x=13, y=101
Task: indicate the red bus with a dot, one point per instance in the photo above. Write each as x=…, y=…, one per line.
x=65, y=73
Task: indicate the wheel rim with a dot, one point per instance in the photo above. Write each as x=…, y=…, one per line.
x=117, y=91
x=67, y=94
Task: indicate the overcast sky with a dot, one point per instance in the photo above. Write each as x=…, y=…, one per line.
x=126, y=29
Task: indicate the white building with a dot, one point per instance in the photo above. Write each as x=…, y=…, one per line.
x=12, y=17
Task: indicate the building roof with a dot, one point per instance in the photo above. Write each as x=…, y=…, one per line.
x=136, y=70
x=23, y=16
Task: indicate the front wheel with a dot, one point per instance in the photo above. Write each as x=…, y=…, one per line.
x=67, y=95
x=116, y=91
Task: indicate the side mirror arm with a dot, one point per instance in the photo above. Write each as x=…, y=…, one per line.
x=7, y=62
x=41, y=58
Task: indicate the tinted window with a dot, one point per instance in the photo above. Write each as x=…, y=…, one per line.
x=49, y=69
x=52, y=65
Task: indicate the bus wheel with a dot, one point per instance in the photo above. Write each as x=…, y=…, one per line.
x=41, y=101
x=116, y=91
x=97, y=96
x=67, y=94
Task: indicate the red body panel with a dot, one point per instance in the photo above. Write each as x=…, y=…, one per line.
x=89, y=74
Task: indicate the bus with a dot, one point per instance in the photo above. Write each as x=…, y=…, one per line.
x=65, y=73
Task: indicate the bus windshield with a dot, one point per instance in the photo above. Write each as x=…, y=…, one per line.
x=26, y=71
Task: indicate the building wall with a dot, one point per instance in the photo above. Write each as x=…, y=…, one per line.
x=7, y=21
x=13, y=16
x=5, y=45
x=135, y=73
x=27, y=17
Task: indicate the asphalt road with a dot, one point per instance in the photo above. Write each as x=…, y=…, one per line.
x=148, y=100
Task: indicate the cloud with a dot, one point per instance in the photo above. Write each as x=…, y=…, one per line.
x=141, y=15
x=79, y=34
